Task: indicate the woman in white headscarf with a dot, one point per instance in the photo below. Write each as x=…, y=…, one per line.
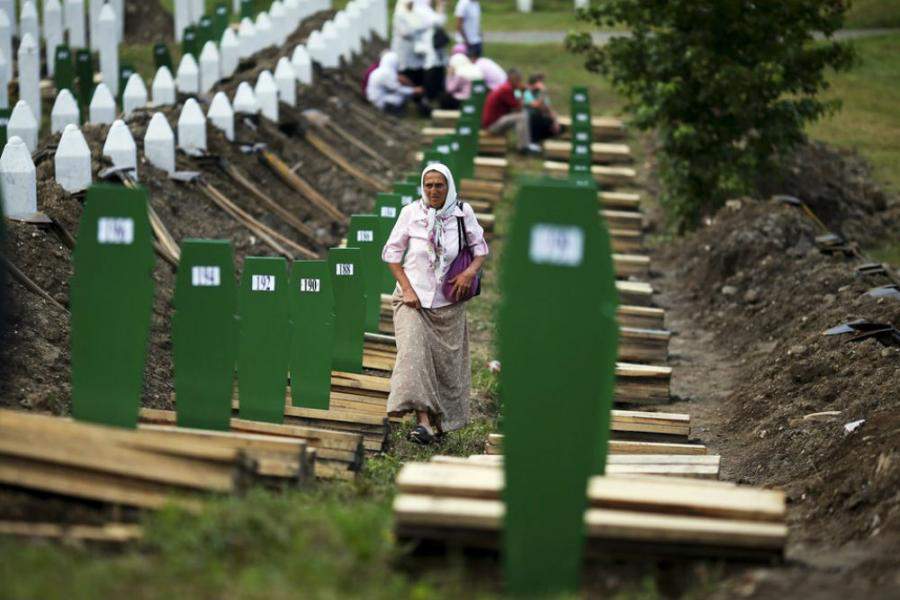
x=384, y=88
x=432, y=375
x=461, y=72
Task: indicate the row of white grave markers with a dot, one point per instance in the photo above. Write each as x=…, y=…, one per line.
x=60, y=17
x=29, y=52
x=344, y=36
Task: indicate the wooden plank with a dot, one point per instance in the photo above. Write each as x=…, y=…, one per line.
x=626, y=241
x=603, y=153
x=604, y=175
x=495, y=446
x=635, y=293
x=619, y=200
x=607, y=492
x=90, y=485
x=481, y=514
x=479, y=189
x=115, y=533
x=651, y=467
x=646, y=317
x=623, y=219
x=604, y=128
x=631, y=265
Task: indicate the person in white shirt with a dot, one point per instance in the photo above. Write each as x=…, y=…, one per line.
x=435, y=54
x=468, y=26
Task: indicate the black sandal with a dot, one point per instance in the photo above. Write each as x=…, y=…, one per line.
x=420, y=435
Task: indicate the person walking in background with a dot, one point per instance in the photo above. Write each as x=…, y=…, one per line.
x=468, y=25
x=387, y=90
x=494, y=75
x=544, y=122
x=432, y=376
x=503, y=111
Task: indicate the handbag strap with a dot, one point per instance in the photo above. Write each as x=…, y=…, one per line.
x=461, y=232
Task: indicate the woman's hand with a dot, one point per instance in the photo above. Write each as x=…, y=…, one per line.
x=462, y=283
x=410, y=298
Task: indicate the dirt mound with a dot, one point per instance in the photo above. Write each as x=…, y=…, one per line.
x=37, y=350
x=838, y=186
x=146, y=22
x=754, y=279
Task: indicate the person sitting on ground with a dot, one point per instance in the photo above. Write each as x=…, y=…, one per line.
x=387, y=90
x=370, y=70
x=544, y=122
x=433, y=371
x=494, y=75
x=503, y=111
x=458, y=84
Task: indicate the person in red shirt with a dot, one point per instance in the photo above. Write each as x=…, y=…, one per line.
x=503, y=111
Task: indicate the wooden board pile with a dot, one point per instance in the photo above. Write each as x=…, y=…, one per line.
x=147, y=467
x=626, y=515
x=339, y=454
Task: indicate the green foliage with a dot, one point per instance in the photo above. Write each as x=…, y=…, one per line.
x=727, y=84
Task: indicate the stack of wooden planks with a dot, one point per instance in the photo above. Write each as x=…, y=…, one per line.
x=492, y=145
x=144, y=468
x=605, y=175
x=339, y=454
x=700, y=466
x=602, y=153
x=616, y=446
x=605, y=128
x=627, y=516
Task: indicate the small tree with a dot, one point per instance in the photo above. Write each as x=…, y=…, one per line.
x=727, y=84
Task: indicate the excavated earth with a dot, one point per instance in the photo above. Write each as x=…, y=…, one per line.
x=748, y=297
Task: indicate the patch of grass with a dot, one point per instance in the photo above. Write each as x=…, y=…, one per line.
x=868, y=121
x=873, y=13
x=326, y=543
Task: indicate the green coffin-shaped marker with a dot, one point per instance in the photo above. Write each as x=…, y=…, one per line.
x=312, y=339
x=84, y=69
x=111, y=300
x=264, y=338
x=558, y=340
x=366, y=234
x=346, y=265
x=408, y=191
x=204, y=334
x=162, y=57
x=387, y=206
x=64, y=71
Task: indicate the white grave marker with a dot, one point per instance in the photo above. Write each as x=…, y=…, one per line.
x=159, y=144
x=53, y=32
x=265, y=32
x=267, y=95
x=94, y=9
x=280, y=24
x=108, y=30
x=30, y=74
x=302, y=64
x=286, y=80
x=5, y=68
x=28, y=22
x=120, y=148
x=103, y=106
x=221, y=115
x=192, y=128
x=65, y=112
x=9, y=8
x=135, y=95
x=6, y=44
x=245, y=100
x=187, y=79
x=23, y=125
x=163, y=87
x=247, y=41
x=229, y=53
x=18, y=179
x=209, y=67
x=74, y=23
x=73, y=161
x=183, y=17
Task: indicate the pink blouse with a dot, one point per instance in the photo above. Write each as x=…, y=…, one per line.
x=411, y=237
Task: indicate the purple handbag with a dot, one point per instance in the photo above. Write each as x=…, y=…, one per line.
x=460, y=264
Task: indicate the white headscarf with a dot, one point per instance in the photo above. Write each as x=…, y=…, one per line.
x=463, y=67
x=437, y=219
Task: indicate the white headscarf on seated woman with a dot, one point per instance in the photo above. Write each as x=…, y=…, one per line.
x=463, y=67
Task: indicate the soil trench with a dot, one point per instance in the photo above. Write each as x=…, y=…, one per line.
x=747, y=298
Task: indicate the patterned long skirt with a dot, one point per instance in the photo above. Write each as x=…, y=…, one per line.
x=433, y=372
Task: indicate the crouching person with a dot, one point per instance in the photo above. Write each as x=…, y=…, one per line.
x=389, y=91
x=503, y=111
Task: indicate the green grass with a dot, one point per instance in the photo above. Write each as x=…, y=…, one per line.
x=869, y=121
x=873, y=13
